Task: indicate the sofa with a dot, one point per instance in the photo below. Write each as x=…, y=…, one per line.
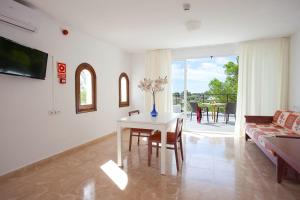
x=283, y=123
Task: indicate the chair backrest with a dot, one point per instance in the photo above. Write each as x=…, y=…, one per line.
x=230, y=108
x=194, y=106
x=134, y=112
x=178, y=130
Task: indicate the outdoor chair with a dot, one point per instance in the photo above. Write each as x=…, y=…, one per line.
x=194, y=106
x=199, y=110
x=203, y=109
x=230, y=108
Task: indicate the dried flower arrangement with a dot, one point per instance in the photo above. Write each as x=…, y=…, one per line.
x=153, y=86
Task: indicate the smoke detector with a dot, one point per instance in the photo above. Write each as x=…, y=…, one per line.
x=186, y=6
x=190, y=25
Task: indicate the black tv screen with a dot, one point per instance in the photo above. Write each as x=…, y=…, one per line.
x=16, y=59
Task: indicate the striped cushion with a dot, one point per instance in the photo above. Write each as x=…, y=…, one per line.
x=282, y=118
x=259, y=132
x=276, y=116
x=290, y=120
x=296, y=126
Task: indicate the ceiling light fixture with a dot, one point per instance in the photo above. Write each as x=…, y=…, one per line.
x=192, y=25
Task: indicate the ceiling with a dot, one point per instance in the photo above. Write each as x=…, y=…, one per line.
x=136, y=25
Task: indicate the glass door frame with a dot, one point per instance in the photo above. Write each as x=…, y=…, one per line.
x=184, y=92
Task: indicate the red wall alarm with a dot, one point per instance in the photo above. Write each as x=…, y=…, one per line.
x=65, y=31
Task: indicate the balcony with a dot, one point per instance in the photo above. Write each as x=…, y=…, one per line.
x=213, y=109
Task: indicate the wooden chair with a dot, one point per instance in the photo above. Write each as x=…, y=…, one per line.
x=172, y=139
x=138, y=132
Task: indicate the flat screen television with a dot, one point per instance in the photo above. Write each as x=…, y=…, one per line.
x=16, y=59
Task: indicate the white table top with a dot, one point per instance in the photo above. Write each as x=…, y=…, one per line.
x=145, y=118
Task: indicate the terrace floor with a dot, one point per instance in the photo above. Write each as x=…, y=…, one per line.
x=210, y=127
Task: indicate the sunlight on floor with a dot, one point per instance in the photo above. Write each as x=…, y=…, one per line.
x=116, y=174
x=89, y=191
x=208, y=134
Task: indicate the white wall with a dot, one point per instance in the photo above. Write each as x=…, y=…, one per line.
x=294, y=94
x=27, y=132
x=138, y=67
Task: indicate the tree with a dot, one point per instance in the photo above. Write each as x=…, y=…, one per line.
x=229, y=86
x=176, y=98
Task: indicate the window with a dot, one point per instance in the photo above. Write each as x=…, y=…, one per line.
x=123, y=90
x=85, y=88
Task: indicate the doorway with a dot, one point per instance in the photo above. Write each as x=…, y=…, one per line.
x=205, y=90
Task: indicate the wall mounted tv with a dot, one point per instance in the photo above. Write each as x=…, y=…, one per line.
x=16, y=59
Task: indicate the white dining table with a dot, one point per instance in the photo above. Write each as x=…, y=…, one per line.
x=163, y=122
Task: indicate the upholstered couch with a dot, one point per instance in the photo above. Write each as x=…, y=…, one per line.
x=258, y=128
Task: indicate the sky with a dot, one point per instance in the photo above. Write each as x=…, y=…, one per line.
x=200, y=72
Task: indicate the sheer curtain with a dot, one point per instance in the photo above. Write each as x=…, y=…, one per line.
x=158, y=63
x=263, y=78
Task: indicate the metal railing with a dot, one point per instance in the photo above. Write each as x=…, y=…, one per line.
x=178, y=98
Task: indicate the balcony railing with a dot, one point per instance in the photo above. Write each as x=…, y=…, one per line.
x=178, y=98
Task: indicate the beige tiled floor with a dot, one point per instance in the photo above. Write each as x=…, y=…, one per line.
x=215, y=167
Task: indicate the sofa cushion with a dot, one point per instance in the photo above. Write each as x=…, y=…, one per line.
x=259, y=132
x=296, y=126
x=276, y=116
x=282, y=118
x=289, y=122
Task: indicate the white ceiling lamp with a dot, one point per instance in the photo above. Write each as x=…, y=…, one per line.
x=190, y=25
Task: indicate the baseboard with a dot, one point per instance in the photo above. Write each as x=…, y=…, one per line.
x=42, y=162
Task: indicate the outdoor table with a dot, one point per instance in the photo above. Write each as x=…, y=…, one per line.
x=214, y=106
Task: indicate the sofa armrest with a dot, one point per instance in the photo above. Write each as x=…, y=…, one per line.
x=259, y=119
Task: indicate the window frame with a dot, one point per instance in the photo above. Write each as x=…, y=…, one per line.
x=91, y=107
x=126, y=103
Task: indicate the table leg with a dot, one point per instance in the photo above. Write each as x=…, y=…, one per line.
x=279, y=169
x=163, y=151
x=119, y=145
x=213, y=113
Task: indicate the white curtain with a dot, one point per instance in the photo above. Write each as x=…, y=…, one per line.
x=158, y=63
x=263, y=78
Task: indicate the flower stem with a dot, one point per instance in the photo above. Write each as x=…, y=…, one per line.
x=153, y=95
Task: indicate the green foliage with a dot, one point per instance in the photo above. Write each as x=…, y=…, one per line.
x=176, y=98
x=229, y=86
x=83, y=97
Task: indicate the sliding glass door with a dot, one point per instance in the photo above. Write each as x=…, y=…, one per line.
x=203, y=88
x=179, y=86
